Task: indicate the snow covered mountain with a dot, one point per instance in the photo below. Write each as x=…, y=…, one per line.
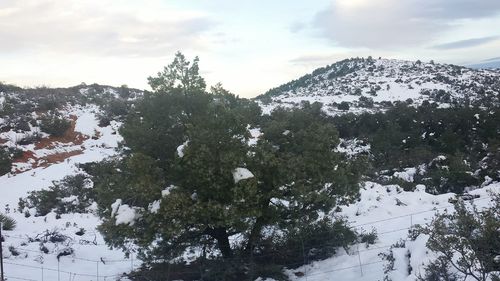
x=361, y=85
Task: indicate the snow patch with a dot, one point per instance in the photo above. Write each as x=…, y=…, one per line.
x=115, y=206
x=87, y=122
x=406, y=175
x=155, y=206
x=126, y=215
x=241, y=174
x=180, y=149
x=167, y=190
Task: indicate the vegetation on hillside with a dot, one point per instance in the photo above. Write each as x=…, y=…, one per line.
x=453, y=148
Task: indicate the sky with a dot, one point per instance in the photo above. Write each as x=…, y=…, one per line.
x=249, y=46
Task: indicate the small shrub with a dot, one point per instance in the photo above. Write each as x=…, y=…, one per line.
x=440, y=269
x=29, y=139
x=22, y=125
x=54, y=125
x=14, y=251
x=343, y=106
x=70, y=195
x=389, y=257
x=8, y=223
x=5, y=162
x=44, y=249
x=306, y=243
x=7, y=155
x=466, y=239
x=368, y=237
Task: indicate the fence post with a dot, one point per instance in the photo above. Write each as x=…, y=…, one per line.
x=58, y=271
x=1, y=254
x=411, y=220
x=360, y=264
x=42, y=272
x=304, y=256
x=131, y=261
x=97, y=272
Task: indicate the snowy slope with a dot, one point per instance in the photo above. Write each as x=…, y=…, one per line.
x=89, y=248
x=379, y=81
x=391, y=212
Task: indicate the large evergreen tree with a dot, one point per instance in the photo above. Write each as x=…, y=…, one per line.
x=191, y=178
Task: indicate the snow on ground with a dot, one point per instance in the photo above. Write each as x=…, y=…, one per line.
x=391, y=212
x=352, y=147
x=255, y=134
x=91, y=256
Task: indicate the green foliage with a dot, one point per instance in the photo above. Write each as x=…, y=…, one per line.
x=180, y=74
x=296, y=172
x=368, y=238
x=8, y=87
x=113, y=109
x=49, y=103
x=290, y=248
x=309, y=242
x=452, y=174
x=438, y=270
x=54, y=124
x=8, y=223
x=343, y=106
x=70, y=195
x=7, y=155
x=365, y=102
x=406, y=136
x=466, y=240
x=5, y=162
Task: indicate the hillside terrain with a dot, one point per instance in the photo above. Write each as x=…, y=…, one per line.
x=360, y=85
x=424, y=135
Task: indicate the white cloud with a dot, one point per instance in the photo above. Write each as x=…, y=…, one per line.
x=98, y=28
x=394, y=23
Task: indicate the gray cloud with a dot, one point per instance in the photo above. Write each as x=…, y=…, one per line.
x=297, y=26
x=466, y=43
x=69, y=27
x=395, y=23
x=492, y=59
x=314, y=60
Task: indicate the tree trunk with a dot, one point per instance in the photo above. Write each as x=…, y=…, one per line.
x=220, y=234
x=254, y=235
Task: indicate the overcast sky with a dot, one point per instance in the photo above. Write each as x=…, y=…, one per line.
x=249, y=45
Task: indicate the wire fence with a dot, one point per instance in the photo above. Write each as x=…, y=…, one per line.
x=52, y=273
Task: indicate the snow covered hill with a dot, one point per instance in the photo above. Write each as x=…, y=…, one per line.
x=55, y=247
x=374, y=84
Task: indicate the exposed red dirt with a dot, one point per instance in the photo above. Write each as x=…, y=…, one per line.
x=69, y=137
x=59, y=157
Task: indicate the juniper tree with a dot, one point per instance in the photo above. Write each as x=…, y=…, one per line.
x=193, y=179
